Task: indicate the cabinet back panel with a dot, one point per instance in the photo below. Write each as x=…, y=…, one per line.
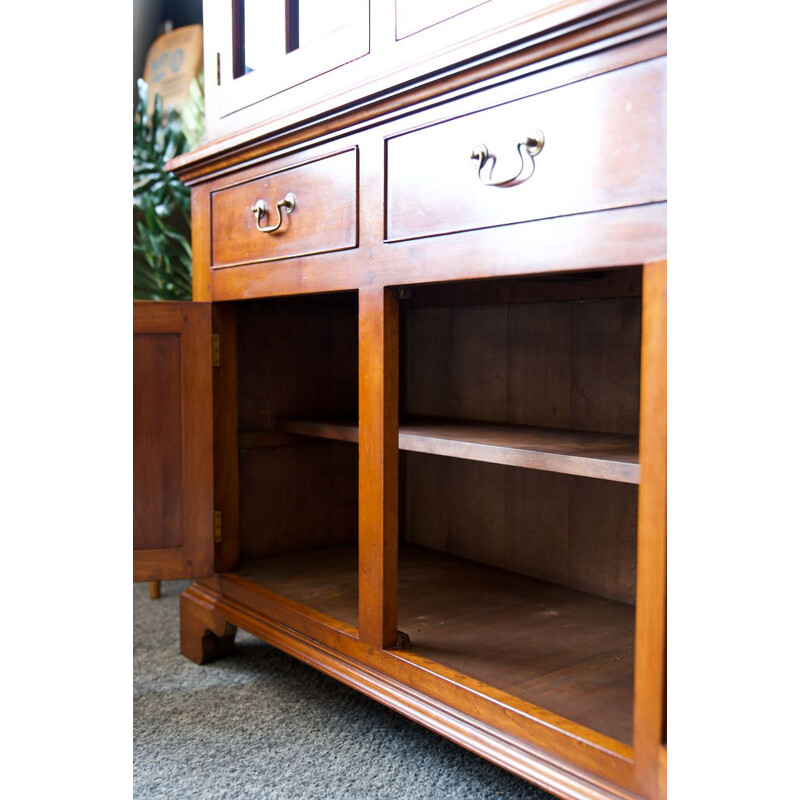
x=297, y=497
x=297, y=358
x=577, y=532
x=557, y=364
x=605, y=358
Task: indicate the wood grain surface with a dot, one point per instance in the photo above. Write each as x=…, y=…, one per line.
x=324, y=218
x=651, y=599
x=295, y=354
x=593, y=455
x=564, y=650
x=604, y=147
x=378, y=331
x=157, y=450
x=173, y=471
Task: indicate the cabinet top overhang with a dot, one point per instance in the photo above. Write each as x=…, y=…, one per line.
x=540, y=40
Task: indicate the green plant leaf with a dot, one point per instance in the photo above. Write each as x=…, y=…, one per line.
x=162, y=253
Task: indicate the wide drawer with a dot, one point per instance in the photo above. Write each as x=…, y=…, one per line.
x=604, y=146
x=321, y=215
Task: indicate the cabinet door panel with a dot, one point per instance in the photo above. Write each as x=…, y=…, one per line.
x=173, y=479
x=266, y=49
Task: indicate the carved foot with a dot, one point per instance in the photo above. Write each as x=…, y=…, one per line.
x=205, y=635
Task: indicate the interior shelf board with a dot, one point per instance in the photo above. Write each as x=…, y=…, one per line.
x=587, y=454
x=557, y=648
x=551, y=646
x=324, y=579
x=323, y=429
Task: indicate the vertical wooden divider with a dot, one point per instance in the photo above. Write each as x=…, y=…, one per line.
x=378, y=381
x=651, y=594
x=201, y=244
x=226, y=442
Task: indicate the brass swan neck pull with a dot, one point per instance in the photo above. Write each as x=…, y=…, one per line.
x=529, y=148
x=260, y=210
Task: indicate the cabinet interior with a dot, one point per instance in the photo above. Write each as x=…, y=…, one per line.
x=519, y=416
x=519, y=567
x=298, y=358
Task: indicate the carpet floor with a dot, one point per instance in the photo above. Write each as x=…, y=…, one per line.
x=260, y=724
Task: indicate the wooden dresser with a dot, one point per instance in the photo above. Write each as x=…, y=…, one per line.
x=412, y=427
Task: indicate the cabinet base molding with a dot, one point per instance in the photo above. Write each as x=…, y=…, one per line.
x=209, y=621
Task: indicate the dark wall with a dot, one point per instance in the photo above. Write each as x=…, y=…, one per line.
x=182, y=12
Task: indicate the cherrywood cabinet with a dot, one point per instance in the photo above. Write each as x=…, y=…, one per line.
x=438, y=405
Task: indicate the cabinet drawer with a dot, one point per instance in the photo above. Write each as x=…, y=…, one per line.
x=324, y=216
x=604, y=146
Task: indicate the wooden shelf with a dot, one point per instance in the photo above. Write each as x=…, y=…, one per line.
x=557, y=648
x=322, y=429
x=324, y=579
x=591, y=455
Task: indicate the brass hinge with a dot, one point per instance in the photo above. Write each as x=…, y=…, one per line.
x=214, y=349
x=217, y=527
x=219, y=71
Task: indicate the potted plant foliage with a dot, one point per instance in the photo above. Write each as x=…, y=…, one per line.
x=162, y=252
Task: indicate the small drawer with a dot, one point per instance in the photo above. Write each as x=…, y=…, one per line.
x=604, y=146
x=315, y=203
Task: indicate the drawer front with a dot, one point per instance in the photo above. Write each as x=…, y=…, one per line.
x=604, y=146
x=323, y=217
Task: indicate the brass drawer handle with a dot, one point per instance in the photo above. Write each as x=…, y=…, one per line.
x=531, y=147
x=260, y=210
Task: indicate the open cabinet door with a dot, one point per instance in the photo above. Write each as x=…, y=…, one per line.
x=173, y=465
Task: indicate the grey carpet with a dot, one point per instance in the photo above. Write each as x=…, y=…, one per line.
x=260, y=724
